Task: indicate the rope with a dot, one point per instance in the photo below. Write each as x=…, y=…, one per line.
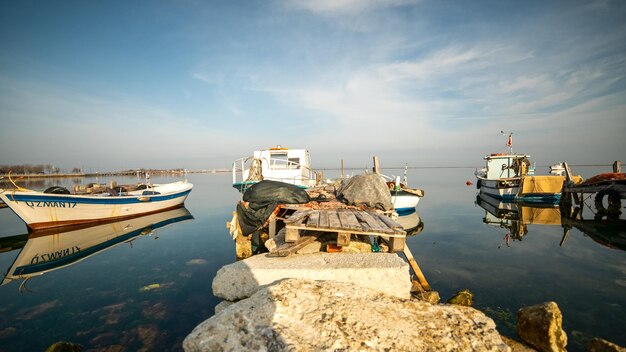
x=256, y=171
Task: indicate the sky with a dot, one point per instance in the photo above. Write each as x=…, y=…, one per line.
x=112, y=85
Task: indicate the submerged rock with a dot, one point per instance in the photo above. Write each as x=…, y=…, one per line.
x=307, y=315
x=541, y=327
x=601, y=345
x=62, y=346
x=462, y=298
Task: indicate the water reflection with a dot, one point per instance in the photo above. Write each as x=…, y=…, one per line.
x=515, y=218
x=411, y=223
x=52, y=249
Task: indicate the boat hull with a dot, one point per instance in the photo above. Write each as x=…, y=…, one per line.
x=41, y=210
x=404, y=202
x=509, y=191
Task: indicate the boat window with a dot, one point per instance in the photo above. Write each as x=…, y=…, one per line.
x=294, y=163
x=279, y=160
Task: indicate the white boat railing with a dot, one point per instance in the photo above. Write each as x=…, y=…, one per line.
x=274, y=169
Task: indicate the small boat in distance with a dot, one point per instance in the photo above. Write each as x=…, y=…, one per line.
x=280, y=164
x=57, y=207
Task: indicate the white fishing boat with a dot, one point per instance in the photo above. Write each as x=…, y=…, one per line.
x=51, y=249
x=510, y=177
x=404, y=198
x=281, y=164
x=58, y=207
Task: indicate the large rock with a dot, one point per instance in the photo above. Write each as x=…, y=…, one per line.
x=541, y=327
x=306, y=315
x=380, y=271
x=601, y=345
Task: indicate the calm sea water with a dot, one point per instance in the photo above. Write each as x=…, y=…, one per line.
x=149, y=291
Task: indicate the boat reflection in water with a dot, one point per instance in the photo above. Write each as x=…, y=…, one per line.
x=411, y=223
x=48, y=250
x=515, y=218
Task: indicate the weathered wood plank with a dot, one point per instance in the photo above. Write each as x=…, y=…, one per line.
x=314, y=219
x=298, y=217
x=290, y=248
x=362, y=222
x=348, y=220
x=333, y=220
x=387, y=220
x=324, y=218
x=374, y=223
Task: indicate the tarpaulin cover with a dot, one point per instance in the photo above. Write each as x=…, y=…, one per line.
x=263, y=198
x=542, y=184
x=544, y=216
x=366, y=189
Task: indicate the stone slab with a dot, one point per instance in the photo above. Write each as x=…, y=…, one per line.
x=384, y=272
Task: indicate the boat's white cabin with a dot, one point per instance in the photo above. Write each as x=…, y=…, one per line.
x=278, y=164
x=499, y=166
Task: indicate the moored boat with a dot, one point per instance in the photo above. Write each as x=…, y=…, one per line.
x=281, y=164
x=58, y=207
x=510, y=177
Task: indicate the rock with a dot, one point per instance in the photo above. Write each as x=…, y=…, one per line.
x=462, y=298
x=601, y=345
x=62, y=346
x=517, y=346
x=431, y=297
x=380, y=271
x=541, y=327
x=222, y=305
x=306, y=315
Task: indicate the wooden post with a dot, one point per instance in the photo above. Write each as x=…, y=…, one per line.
x=272, y=226
x=617, y=166
x=342, y=174
x=376, y=165
x=416, y=269
x=292, y=235
x=343, y=239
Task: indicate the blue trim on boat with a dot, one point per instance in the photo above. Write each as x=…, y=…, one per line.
x=405, y=211
x=34, y=268
x=528, y=198
x=94, y=200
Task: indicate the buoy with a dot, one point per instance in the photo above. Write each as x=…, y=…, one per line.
x=468, y=183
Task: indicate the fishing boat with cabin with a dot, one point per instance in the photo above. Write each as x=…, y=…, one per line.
x=293, y=166
x=280, y=164
x=57, y=206
x=511, y=177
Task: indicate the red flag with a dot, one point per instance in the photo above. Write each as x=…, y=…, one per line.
x=509, y=143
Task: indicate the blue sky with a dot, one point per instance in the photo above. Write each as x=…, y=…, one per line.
x=109, y=85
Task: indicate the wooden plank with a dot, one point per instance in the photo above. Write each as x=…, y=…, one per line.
x=369, y=220
x=348, y=220
x=368, y=232
x=375, y=223
x=333, y=220
x=387, y=220
x=324, y=219
x=416, y=269
x=290, y=248
x=314, y=219
x=298, y=217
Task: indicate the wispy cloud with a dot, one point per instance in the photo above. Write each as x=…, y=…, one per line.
x=339, y=7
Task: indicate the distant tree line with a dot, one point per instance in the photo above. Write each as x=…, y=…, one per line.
x=33, y=169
